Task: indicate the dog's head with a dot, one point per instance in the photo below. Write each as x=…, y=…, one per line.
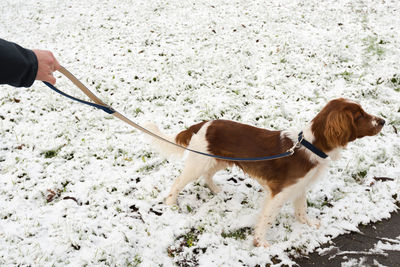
x=342, y=121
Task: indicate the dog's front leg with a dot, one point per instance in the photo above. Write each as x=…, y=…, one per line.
x=267, y=217
x=300, y=209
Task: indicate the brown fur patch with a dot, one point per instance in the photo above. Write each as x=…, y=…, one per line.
x=183, y=138
x=233, y=139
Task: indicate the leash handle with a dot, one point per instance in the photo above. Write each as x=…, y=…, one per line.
x=81, y=86
x=103, y=106
x=107, y=109
x=98, y=102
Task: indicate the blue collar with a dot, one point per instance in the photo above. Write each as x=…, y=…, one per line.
x=311, y=147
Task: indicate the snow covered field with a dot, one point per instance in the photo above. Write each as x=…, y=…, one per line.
x=80, y=188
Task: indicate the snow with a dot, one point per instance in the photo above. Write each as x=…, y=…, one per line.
x=388, y=244
x=271, y=64
x=380, y=248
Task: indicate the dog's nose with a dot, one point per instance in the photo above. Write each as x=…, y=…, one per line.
x=381, y=122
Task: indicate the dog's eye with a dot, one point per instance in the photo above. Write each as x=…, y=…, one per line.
x=359, y=116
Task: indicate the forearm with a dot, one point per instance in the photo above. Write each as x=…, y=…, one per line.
x=18, y=66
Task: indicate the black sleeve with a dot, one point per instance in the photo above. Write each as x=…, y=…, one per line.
x=18, y=66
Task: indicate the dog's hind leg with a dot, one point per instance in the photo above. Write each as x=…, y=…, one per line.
x=195, y=167
x=209, y=177
x=210, y=182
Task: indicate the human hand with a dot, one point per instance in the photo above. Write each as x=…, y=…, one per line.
x=47, y=64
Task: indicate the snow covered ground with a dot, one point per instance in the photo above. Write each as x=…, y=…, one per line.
x=80, y=188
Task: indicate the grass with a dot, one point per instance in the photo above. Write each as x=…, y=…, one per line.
x=374, y=46
x=359, y=176
x=52, y=152
x=150, y=167
x=239, y=234
x=184, y=242
x=395, y=82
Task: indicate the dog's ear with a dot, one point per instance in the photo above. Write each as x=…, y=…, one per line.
x=340, y=128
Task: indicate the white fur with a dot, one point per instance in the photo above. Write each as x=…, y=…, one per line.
x=374, y=122
x=164, y=148
x=296, y=193
x=195, y=166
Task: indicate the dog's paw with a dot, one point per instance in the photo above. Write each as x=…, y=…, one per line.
x=260, y=243
x=170, y=201
x=314, y=223
x=310, y=222
x=214, y=189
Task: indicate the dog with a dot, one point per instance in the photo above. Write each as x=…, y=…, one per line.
x=338, y=123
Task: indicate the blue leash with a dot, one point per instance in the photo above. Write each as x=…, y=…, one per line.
x=104, y=108
x=101, y=105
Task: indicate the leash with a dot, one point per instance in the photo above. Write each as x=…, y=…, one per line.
x=311, y=147
x=99, y=104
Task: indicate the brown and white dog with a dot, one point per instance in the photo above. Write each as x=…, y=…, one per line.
x=338, y=123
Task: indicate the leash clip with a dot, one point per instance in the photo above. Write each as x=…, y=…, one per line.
x=296, y=145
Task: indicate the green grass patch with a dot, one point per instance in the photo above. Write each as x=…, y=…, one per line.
x=359, y=176
x=51, y=153
x=346, y=75
x=374, y=46
x=395, y=82
x=182, y=242
x=239, y=234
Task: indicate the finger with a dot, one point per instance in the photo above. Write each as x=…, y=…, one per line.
x=51, y=79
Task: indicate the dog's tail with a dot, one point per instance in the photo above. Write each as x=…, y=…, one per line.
x=183, y=138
